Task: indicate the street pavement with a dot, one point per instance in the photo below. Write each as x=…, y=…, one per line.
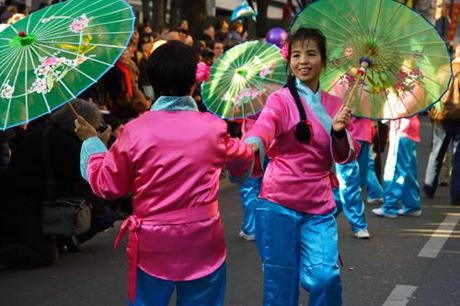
x=393, y=268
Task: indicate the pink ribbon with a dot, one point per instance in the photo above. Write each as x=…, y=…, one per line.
x=133, y=225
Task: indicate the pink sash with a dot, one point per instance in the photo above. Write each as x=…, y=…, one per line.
x=133, y=224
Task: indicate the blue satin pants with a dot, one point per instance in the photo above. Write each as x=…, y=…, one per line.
x=368, y=176
x=297, y=247
x=209, y=290
x=400, y=176
x=348, y=196
x=249, y=192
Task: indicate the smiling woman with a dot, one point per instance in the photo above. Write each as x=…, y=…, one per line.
x=307, y=61
x=303, y=130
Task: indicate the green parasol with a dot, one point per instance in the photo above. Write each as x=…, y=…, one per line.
x=242, y=79
x=384, y=59
x=51, y=56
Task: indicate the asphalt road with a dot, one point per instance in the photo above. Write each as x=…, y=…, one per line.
x=385, y=270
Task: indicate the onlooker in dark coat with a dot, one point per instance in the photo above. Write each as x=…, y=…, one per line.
x=24, y=188
x=446, y=130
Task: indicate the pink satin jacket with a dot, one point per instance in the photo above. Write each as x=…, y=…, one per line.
x=362, y=129
x=299, y=176
x=407, y=127
x=170, y=162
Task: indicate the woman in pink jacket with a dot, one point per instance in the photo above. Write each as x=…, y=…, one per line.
x=401, y=189
x=169, y=159
x=303, y=131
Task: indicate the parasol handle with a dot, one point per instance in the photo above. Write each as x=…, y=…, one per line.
x=74, y=111
x=365, y=63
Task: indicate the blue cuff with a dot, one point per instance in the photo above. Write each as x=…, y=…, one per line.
x=262, y=155
x=90, y=147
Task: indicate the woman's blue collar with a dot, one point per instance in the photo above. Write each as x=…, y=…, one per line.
x=307, y=90
x=174, y=103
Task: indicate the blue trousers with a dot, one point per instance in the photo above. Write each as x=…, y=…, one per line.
x=368, y=176
x=443, y=135
x=249, y=192
x=209, y=290
x=297, y=247
x=348, y=195
x=401, y=177
x=352, y=177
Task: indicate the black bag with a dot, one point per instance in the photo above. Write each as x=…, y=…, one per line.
x=65, y=216
x=68, y=216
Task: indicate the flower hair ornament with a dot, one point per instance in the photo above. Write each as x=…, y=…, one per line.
x=202, y=72
x=285, y=51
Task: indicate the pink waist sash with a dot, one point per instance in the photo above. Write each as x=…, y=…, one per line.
x=133, y=224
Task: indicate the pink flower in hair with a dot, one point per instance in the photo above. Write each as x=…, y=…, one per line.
x=285, y=51
x=202, y=72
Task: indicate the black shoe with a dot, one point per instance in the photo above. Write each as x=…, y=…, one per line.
x=428, y=192
x=455, y=201
x=73, y=244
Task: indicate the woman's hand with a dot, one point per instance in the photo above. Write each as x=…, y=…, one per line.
x=105, y=136
x=83, y=129
x=341, y=119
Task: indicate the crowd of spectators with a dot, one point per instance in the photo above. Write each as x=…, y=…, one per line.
x=122, y=94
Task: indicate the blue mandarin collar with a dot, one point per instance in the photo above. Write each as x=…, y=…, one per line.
x=305, y=90
x=174, y=103
x=313, y=100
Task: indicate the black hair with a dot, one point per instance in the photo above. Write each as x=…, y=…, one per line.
x=207, y=53
x=304, y=34
x=145, y=38
x=146, y=24
x=171, y=69
x=303, y=131
x=212, y=43
x=22, y=8
x=207, y=26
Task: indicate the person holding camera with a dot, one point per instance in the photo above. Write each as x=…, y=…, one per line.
x=24, y=191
